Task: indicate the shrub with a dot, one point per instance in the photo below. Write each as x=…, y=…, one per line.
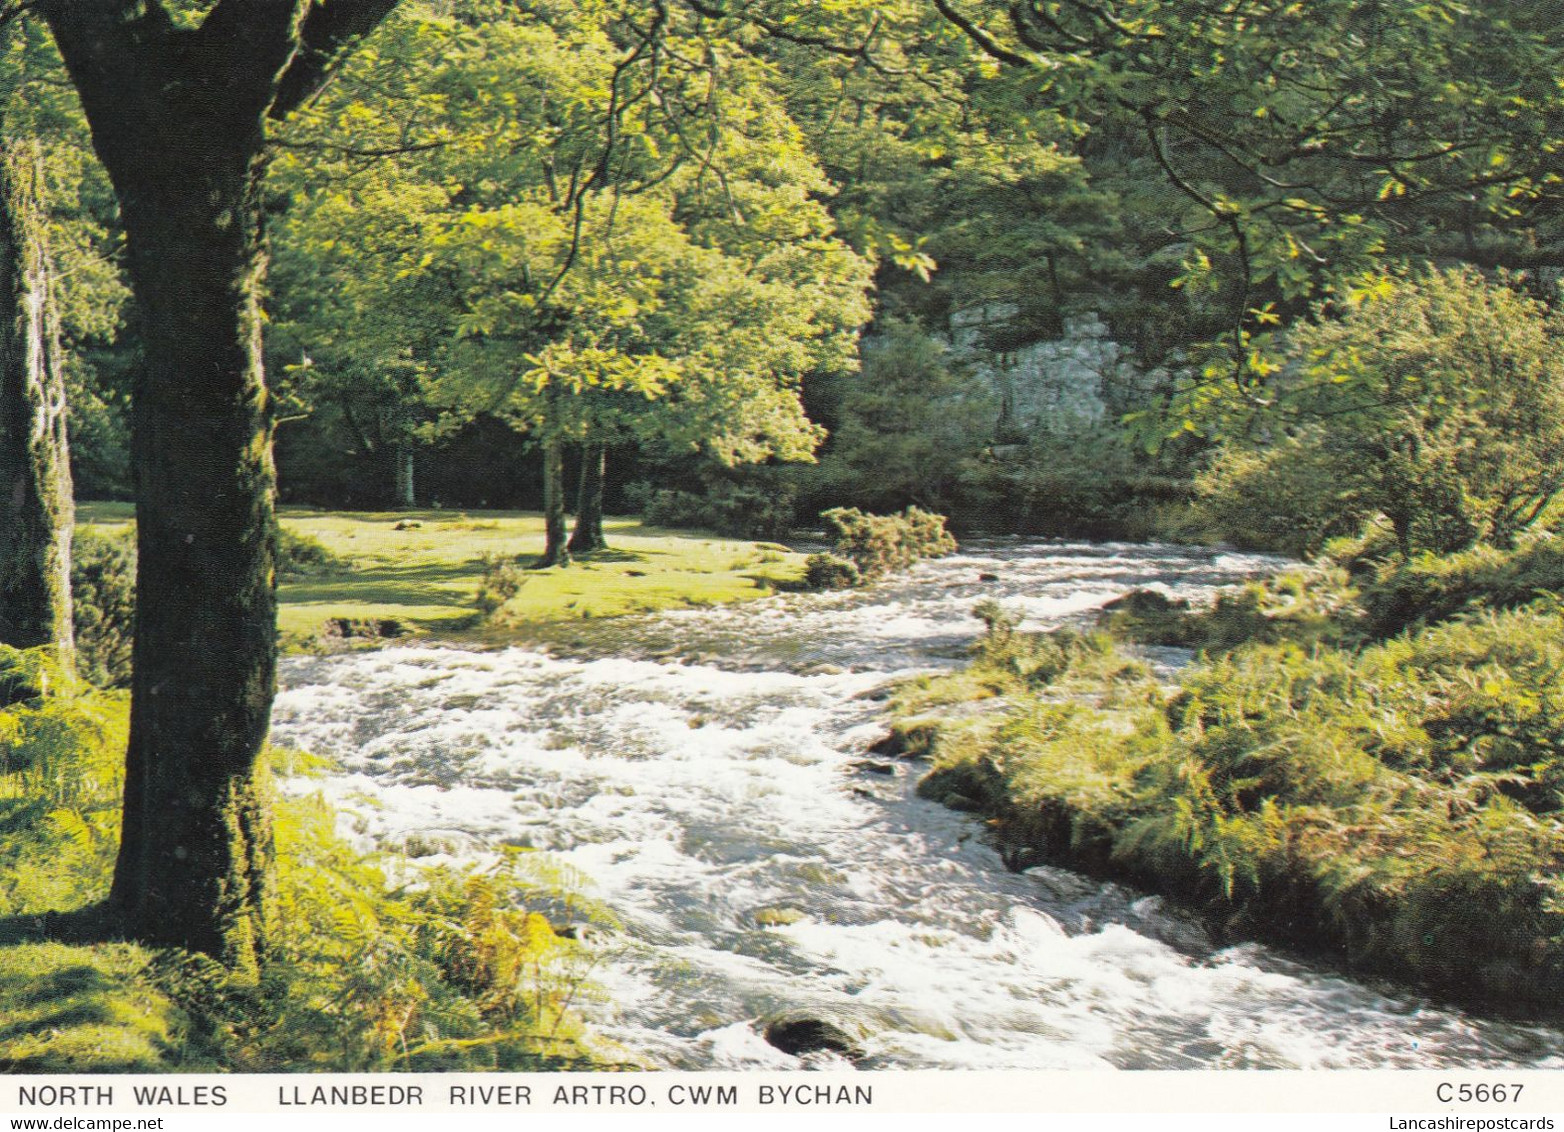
x=1432, y=588
x=1435, y=400
x=1151, y=617
x=1312, y=605
x=905, y=430
x=452, y=972
x=668, y=507
x=1080, y=482
x=738, y=510
x=28, y=674
x=879, y=544
x=1285, y=498
x=62, y=749
x=502, y=580
x=830, y=572
x=103, y=592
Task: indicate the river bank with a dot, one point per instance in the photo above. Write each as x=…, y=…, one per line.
x=1386, y=799
x=420, y=993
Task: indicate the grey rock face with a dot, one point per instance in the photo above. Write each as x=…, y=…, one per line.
x=1052, y=386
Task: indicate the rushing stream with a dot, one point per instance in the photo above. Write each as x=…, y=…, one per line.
x=706, y=770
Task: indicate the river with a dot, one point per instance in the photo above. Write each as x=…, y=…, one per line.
x=706, y=770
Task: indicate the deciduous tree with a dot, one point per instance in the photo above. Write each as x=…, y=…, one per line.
x=180, y=101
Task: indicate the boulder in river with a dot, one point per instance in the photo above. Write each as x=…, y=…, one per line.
x=798, y=1034
x=777, y=917
x=908, y=739
x=870, y=767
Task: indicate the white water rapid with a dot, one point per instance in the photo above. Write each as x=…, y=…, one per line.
x=706, y=770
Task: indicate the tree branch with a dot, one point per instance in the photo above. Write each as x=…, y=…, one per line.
x=328, y=28
x=985, y=41
x=360, y=151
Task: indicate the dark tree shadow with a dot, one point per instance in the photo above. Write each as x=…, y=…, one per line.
x=96, y=923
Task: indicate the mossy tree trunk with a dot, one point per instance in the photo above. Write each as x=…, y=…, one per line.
x=36, y=509
x=555, y=553
x=179, y=118
x=587, y=536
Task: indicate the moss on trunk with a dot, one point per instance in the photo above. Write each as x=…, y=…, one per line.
x=36, y=511
x=588, y=533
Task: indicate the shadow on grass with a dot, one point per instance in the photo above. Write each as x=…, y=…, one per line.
x=781, y=585
x=81, y=992
x=96, y=923
x=73, y=998
x=412, y=515
x=387, y=585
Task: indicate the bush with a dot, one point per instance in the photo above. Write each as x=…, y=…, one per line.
x=1084, y=482
x=1308, y=606
x=103, y=593
x=1150, y=617
x=1432, y=588
x=1434, y=400
x=502, y=580
x=738, y=510
x=457, y=971
x=28, y=674
x=830, y=572
x=62, y=748
x=1285, y=498
x=879, y=544
x=668, y=507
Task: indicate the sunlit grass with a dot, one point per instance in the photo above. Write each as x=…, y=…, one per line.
x=426, y=574
x=70, y=1009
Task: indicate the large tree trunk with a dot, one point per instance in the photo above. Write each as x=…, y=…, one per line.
x=588, y=533
x=554, y=550
x=195, y=847
x=178, y=116
x=36, y=510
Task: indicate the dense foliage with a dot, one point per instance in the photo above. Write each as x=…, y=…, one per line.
x=1433, y=402
x=103, y=591
x=486, y=184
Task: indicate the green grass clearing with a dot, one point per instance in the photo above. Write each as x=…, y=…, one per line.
x=426, y=576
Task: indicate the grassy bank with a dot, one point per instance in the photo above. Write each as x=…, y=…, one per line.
x=459, y=971
x=1384, y=789
x=420, y=572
